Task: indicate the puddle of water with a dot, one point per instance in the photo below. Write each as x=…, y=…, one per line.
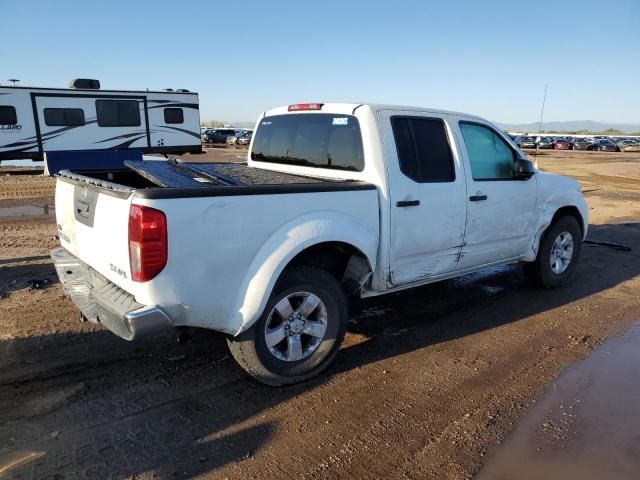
x=587, y=426
x=27, y=211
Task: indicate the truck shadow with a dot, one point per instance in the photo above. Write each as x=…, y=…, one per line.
x=480, y=301
x=116, y=409
x=15, y=275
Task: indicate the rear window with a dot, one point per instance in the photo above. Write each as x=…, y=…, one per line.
x=320, y=140
x=8, y=115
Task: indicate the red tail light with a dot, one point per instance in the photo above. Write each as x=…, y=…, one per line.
x=147, y=242
x=305, y=106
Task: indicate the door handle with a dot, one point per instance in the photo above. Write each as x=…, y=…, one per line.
x=408, y=203
x=477, y=198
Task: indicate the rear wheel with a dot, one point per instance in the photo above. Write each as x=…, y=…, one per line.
x=299, y=332
x=557, y=255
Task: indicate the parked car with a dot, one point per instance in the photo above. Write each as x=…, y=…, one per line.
x=242, y=137
x=604, y=145
x=517, y=139
x=528, y=142
x=545, y=143
x=562, y=144
x=220, y=135
x=582, y=143
x=246, y=138
x=630, y=146
x=269, y=252
x=207, y=135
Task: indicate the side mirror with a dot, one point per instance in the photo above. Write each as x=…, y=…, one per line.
x=524, y=169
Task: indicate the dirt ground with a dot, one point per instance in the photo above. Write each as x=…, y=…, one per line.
x=428, y=380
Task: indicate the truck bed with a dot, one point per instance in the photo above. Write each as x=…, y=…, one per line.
x=224, y=224
x=174, y=179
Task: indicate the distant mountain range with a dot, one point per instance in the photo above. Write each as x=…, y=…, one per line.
x=244, y=124
x=570, y=126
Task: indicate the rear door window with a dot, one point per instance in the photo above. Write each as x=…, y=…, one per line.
x=320, y=140
x=423, y=149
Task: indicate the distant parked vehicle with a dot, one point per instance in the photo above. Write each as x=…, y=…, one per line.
x=206, y=134
x=242, y=137
x=582, y=143
x=245, y=139
x=517, y=139
x=562, y=144
x=604, y=145
x=528, y=142
x=545, y=143
x=220, y=135
x=630, y=146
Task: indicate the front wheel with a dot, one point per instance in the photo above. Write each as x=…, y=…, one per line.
x=557, y=255
x=299, y=332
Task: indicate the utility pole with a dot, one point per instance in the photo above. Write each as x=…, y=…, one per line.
x=544, y=99
x=13, y=81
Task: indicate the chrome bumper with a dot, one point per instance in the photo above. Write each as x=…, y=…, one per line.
x=102, y=301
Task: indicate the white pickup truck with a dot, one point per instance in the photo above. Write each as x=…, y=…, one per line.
x=337, y=200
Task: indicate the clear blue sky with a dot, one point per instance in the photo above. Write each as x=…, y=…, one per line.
x=491, y=58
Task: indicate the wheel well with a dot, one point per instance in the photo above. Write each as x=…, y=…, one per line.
x=342, y=260
x=569, y=211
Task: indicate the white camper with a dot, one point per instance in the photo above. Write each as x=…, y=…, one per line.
x=83, y=117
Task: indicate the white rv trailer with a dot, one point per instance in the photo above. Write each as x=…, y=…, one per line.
x=38, y=120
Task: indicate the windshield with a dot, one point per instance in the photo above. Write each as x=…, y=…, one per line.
x=320, y=140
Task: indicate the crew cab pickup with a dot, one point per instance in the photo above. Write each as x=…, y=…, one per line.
x=336, y=200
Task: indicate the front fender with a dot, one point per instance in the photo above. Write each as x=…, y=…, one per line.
x=553, y=200
x=287, y=242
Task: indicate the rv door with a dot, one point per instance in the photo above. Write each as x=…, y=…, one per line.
x=91, y=122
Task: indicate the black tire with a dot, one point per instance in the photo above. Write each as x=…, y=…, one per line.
x=540, y=272
x=250, y=348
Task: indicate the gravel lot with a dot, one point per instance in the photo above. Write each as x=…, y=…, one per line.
x=428, y=380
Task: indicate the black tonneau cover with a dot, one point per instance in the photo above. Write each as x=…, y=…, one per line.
x=174, y=179
x=184, y=175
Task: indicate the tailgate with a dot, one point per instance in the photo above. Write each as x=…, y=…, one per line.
x=93, y=225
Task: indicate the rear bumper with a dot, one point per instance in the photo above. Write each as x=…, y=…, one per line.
x=102, y=301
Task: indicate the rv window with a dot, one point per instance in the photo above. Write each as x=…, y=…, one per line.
x=8, y=115
x=118, y=113
x=63, y=117
x=173, y=115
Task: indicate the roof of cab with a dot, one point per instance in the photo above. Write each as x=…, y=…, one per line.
x=350, y=107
